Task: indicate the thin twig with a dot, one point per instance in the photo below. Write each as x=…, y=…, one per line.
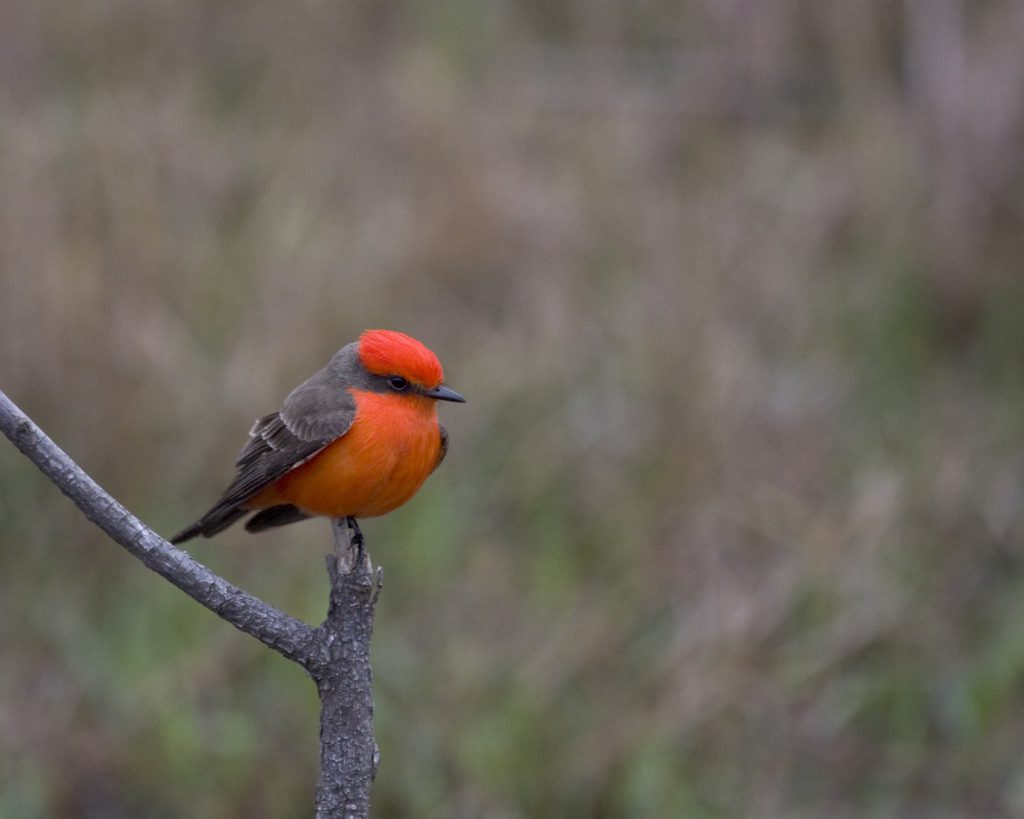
x=291, y=637
x=336, y=654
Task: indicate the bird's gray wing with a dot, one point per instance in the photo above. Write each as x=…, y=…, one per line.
x=444, y=446
x=315, y=413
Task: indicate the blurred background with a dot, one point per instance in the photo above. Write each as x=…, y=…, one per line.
x=731, y=524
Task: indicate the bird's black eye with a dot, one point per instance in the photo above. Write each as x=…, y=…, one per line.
x=398, y=384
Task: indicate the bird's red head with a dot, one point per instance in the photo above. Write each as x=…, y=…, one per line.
x=387, y=352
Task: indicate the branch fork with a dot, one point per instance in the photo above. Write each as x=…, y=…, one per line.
x=336, y=654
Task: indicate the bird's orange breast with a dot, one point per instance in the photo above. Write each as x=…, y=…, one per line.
x=379, y=464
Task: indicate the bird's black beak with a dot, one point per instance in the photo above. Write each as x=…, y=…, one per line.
x=443, y=393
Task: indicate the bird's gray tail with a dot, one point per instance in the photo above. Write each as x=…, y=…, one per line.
x=214, y=521
x=280, y=515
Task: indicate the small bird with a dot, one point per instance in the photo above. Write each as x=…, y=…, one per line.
x=356, y=440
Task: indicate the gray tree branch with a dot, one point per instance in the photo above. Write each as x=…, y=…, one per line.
x=336, y=654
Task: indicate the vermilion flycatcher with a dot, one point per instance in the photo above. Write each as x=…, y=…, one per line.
x=358, y=439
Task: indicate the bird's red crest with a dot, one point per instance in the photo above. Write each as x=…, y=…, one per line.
x=387, y=352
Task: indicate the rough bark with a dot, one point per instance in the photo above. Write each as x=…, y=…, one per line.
x=336, y=654
x=344, y=680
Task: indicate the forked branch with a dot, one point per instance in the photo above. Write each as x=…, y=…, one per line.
x=336, y=654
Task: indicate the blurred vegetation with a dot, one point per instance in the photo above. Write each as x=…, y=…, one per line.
x=731, y=525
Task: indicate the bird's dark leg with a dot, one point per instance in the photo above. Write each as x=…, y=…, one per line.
x=349, y=545
x=357, y=538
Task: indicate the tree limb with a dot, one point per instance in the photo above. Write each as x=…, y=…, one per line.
x=291, y=637
x=344, y=681
x=336, y=654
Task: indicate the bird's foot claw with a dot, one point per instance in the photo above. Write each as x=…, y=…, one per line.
x=358, y=541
